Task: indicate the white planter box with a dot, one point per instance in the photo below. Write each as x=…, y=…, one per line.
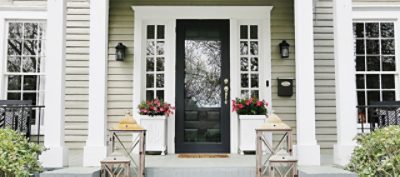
x=247, y=131
x=156, y=134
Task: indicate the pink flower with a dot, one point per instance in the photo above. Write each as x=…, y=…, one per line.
x=234, y=108
x=155, y=107
x=157, y=102
x=248, y=102
x=260, y=103
x=240, y=106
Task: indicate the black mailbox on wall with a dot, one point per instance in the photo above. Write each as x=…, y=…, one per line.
x=285, y=87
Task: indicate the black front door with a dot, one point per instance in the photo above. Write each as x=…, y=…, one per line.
x=202, y=73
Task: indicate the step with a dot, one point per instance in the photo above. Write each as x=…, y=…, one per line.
x=73, y=172
x=201, y=172
x=171, y=166
x=324, y=171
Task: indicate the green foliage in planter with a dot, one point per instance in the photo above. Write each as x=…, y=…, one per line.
x=249, y=106
x=18, y=157
x=378, y=153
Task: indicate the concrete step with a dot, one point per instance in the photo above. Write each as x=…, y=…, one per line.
x=73, y=172
x=189, y=171
x=172, y=166
x=201, y=172
x=324, y=171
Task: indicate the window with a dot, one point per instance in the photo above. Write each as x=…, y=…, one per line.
x=24, y=69
x=249, y=61
x=375, y=62
x=155, y=61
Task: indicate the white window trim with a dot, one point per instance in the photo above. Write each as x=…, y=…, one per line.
x=15, y=15
x=381, y=13
x=262, y=73
x=165, y=55
x=168, y=15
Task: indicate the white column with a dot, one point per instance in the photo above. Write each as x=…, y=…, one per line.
x=346, y=98
x=96, y=148
x=307, y=149
x=56, y=156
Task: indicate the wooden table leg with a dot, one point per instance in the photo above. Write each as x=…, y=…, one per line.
x=259, y=154
x=290, y=143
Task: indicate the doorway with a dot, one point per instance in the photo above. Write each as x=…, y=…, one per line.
x=202, y=86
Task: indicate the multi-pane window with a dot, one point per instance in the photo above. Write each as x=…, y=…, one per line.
x=375, y=61
x=249, y=61
x=24, y=71
x=155, y=61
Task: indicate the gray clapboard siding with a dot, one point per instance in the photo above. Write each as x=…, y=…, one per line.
x=376, y=2
x=34, y=4
x=121, y=30
x=24, y=3
x=324, y=75
x=77, y=69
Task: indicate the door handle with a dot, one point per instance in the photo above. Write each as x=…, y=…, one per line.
x=226, y=90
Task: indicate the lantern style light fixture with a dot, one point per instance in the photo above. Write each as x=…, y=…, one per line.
x=120, y=52
x=284, y=49
x=275, y=156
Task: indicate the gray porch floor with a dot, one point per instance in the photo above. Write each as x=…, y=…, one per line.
x=172, y=166
x=172, y=161
x=75, y=159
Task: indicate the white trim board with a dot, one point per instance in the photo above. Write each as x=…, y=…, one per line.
x=167, y=15
x=198, y=12
x=375, y=7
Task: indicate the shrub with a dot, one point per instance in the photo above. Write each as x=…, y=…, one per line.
x=18, y=157
x=378, y=153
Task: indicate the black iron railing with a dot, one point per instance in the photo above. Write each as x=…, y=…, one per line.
x=22, y=116
x=378, y=114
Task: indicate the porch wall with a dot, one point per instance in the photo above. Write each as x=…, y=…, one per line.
x=121, y=30
x=120, y=74
x=325, y=100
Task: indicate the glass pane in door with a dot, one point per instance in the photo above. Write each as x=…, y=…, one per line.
x=202, y=86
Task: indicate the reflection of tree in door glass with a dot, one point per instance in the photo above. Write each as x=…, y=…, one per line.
x=202, y=73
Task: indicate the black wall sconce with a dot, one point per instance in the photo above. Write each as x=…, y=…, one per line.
x=284, y=49
x=120, y=52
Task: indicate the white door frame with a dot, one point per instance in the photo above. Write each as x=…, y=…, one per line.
x=167, y=15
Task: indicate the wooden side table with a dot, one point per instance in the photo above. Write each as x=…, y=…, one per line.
x=273, y=125
x=115, y=167
x=138, y=142
x=282, y=166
